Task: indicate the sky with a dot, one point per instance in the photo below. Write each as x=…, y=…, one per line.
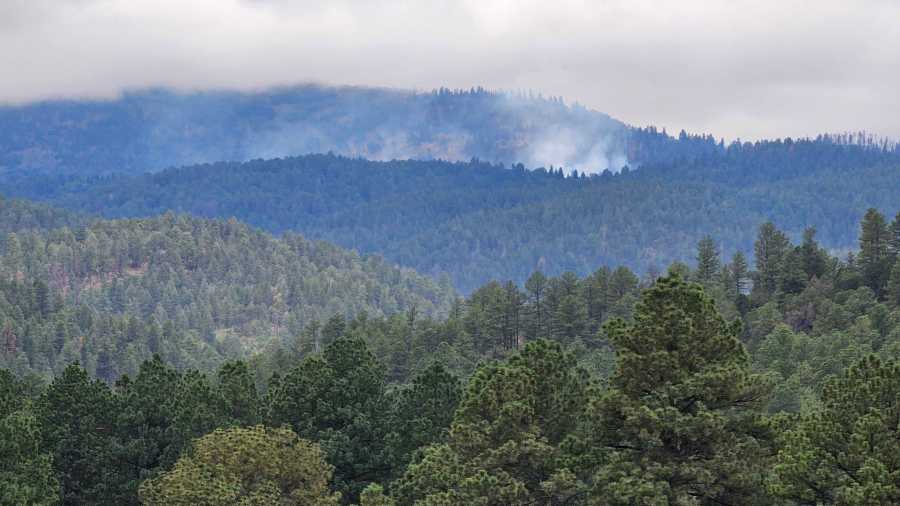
x=732, y=68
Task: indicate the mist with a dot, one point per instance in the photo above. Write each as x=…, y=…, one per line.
x=155, y=129
x=759, y=69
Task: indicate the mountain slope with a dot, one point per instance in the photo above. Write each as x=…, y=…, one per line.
x=478, y=221
x=18, y=215
x=155, y=129
x=231, y=286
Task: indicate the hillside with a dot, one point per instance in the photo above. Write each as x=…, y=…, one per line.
x=477, y=221
x=19, y=215
x=154, y=129
x=226, y=285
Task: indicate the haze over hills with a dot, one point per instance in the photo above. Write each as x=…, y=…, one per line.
x=220, y=286
x=155, y=129
x=478, y=221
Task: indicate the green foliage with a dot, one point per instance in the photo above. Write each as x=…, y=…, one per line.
x=707, y=260
x=238, y=391
x=26, y=473
x=893, y=288
x=22, y=215
x=770, y=248
x=476, y=221
x=253, y=466
x=193, y=291
x=678, y=423
x=423, y=411
x=506, y=443
x=875, y=259
x=338, y=399
x=847, y=452
x=77, y=417
x=585, y=393
x=373, y=495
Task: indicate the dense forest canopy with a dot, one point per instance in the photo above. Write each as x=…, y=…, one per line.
x=22, y=215
x=476, y=220
x=222, y=288
x=723, y=382
x=704, y=324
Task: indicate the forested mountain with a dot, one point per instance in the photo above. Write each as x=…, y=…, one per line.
x=20, y=215
x=767, y=385
x=152, y=130
x=155, y=350
x=478, y=221
x=225, y=285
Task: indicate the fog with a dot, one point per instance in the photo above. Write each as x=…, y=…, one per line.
x=767, y=68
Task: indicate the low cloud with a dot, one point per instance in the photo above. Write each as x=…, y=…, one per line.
x=744, y=69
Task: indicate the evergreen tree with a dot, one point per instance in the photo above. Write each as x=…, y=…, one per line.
x=707, y=261
x=739, y=273
x=506, y=440
x=770, y=250
x=678, y=424
x=894, y=239
x=536, y=286
x=893, y=290
x=338, y=399
x=423, y=412
x=846, y=453
x=813, y=258
x=77, y=420
x=245, y=466
x=238, y=392
x=874, y=259
x=26, y=473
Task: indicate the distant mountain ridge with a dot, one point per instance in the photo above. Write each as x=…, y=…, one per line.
x=478, y=221
x=155, y=129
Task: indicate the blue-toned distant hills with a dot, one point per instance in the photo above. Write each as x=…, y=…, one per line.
x=496, y=214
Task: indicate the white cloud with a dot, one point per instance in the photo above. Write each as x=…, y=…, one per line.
x=733, y=68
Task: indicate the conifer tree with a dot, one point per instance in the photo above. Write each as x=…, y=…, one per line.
x=678, y=424
x=813, y=258
x=893, y=290
x=874, y=259
x=846, y=453
x=739, y=273
x=770, y=249
x=245, y=466
x=238, y=392
x=506, y=443
x=707, y=260
x=536, y=286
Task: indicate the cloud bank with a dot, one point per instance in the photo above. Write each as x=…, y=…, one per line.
x=747, y=69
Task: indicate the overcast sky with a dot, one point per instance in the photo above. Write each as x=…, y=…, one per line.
x=734, y=68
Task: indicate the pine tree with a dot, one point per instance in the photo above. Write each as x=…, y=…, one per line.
x=423, y=412
x=254, y=465
x=237, y=390
x=813, y=258
x=536, y=286
x=507, y=440
x=78, y=428
x=846, y=453
x=770, y=249
x=739, y=273
x=678, y=425
x=894, y=240
x=707, y=261
x=873, y=250
x=338, y=399
x=893, y=290
x=26, y=473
